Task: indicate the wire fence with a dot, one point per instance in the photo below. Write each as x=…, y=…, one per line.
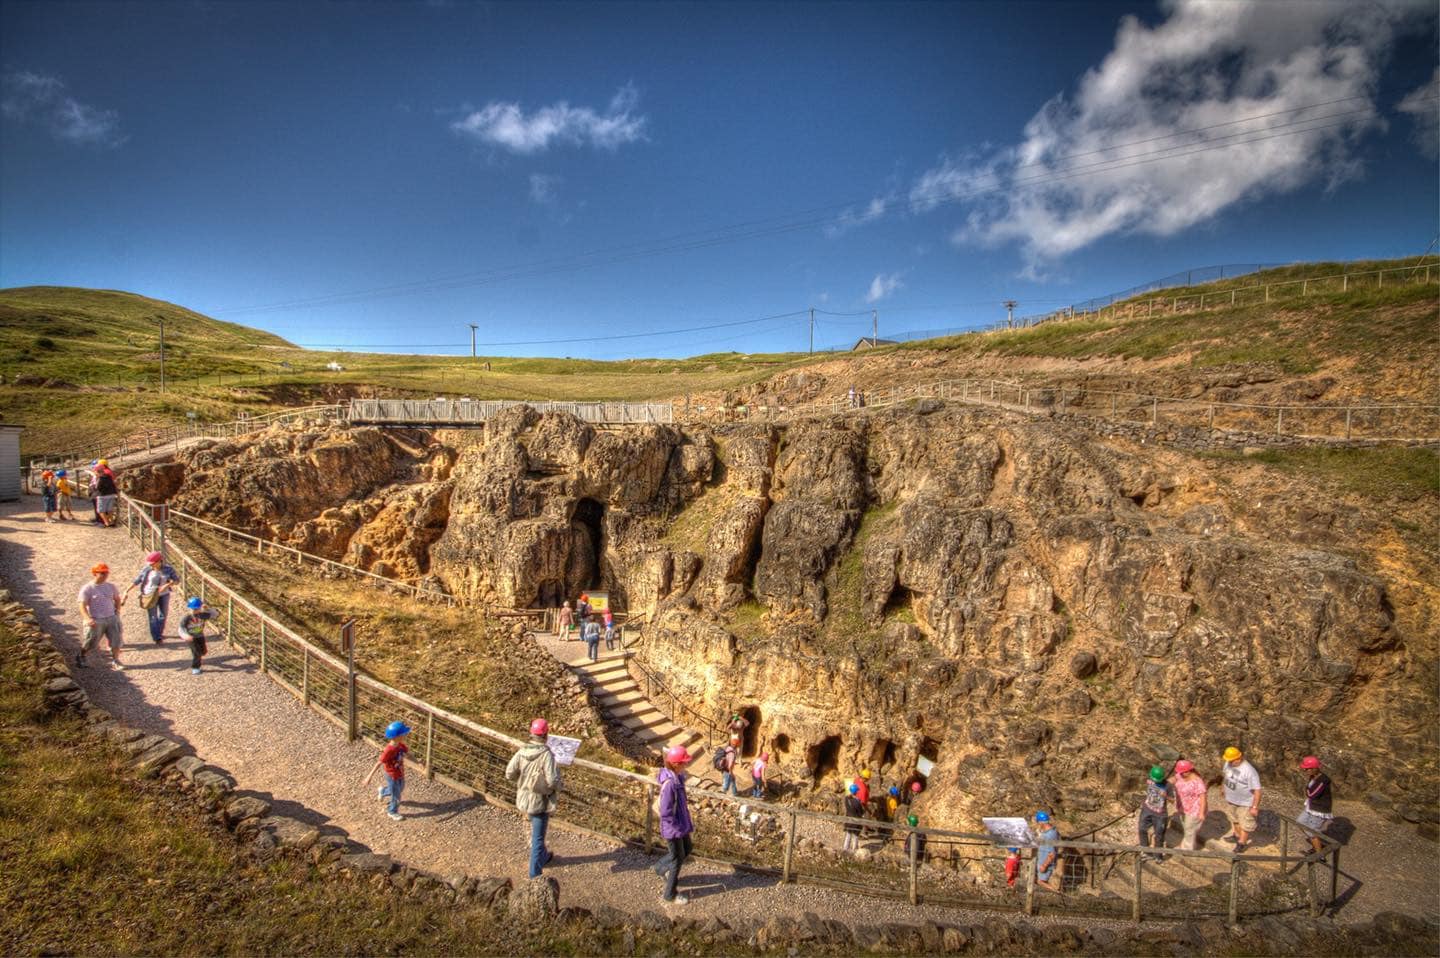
x=447, y=412
x=795, y=844
x=1371, y=422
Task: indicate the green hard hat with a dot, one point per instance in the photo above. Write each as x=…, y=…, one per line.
x=912, y=821
x=1157, y=774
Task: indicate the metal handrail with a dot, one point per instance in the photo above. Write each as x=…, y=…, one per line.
x=710, y=727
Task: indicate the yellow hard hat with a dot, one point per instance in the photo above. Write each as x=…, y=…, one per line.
x=865, y=774
x=103, y=462
x=1232, y=753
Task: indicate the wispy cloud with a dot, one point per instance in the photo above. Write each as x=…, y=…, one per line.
x=1423, y=105
x=544, y=188
x=858, y=216
x=40, y=99
x=884, y=284
x=1249, y=100
x=507, y=125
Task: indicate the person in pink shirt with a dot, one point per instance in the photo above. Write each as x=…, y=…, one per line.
x=1191, y=795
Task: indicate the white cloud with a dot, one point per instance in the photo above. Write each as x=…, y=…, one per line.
x=36, y=98
x=851, y=217
x=1193, y=80
x=508, y=126
x=1423, y=105
x=883, y=285
x=544, y=188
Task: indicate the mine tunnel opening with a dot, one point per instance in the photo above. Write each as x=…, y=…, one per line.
x=781, y=743
x=882, y=755
x=550, y=594
x=590, y=516
x=900, y=605
x=750, y=738
x=823, y=757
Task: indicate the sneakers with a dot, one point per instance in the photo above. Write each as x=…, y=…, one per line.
x=194, y=671
x=395, y=816
x=80, y=661
x=117, y=665
x=1231, y=839
x=677, y=900
x=1241, y=846
x=380, y=793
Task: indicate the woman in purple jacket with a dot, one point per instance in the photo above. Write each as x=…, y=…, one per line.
x=675, y=825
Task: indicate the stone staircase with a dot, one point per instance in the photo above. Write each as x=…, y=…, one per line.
x=622, y=702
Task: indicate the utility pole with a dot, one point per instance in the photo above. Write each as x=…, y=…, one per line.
x=874, y=327
x=812, y=330
x=162, y=353
x=473, y=327
x=1010, y=305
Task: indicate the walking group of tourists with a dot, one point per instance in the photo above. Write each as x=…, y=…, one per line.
x=101, y=602
x=58, y=490
x=590, y=623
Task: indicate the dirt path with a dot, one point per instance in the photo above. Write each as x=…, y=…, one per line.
x=240, y=720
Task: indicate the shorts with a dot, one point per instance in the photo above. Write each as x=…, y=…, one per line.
x=104, y=503
x=1044, y=875
x=1315, y=823
x=1240, y=816
x=108, y=627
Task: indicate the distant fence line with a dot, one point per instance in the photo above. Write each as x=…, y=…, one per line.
x=793, y=843
x=1375, y=422
x=451, y=412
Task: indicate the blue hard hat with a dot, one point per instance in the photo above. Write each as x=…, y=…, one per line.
x=854, y=788
x=894, y=790
x=396, y=729
x=195, y=602
x=1042, y=816
x=1014, y=851
x=60, y=473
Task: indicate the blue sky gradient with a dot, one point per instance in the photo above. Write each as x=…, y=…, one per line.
x=237, y=158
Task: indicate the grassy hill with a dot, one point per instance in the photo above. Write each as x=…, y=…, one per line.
x=86, y=361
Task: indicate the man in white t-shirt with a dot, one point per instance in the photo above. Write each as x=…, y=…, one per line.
x=100, y=605
x=1242, y=797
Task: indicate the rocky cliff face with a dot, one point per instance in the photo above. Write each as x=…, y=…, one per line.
x=1039, y=614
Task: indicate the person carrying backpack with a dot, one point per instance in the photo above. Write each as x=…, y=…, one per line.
x=537, y=782
x=725, y=763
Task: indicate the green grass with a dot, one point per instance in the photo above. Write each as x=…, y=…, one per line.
x=847, y=630
x=1382, y=473
x=97, y=862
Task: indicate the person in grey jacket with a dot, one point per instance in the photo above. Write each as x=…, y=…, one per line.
x=537, y=779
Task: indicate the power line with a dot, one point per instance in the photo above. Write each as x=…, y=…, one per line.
x=753, y=229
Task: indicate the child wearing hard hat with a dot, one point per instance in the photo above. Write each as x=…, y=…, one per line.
x=192, y=625
x=1046, y=854
x=675, y=822
x=1318, y=813
x=537, y=783
x=854, y=809
x=392, y=759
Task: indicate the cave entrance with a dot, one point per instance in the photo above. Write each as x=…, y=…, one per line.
x=550, y=594
x=781, y=743
x=882, y=756
x=590, y=516
x=750, y=739
x=824, y=757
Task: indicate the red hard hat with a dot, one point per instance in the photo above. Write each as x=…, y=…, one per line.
x=1184, y=765
x=154, y=557
x=1309, y=761
x=676, y=755
x=540, y=727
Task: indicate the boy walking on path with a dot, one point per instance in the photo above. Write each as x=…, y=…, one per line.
x=1153, y=810
x=100, y=605
x=65, y=491
x=537, y=782
x=192, y=623
x=1317, y=815
x=392, y=759
x=1242, y=797
x=1191, y=794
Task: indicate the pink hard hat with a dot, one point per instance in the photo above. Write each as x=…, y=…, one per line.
x=155, y=557
x=915, y=786
x=539, y=727
x=676, y=755
x=1184, y=765
x=1309, y=761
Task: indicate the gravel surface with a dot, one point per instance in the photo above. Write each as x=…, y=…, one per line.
x=236, y=718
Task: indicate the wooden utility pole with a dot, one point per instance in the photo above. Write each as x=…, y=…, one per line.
x=874, y=327
x=812, y=330
x=162, y=353
x=1010, y=305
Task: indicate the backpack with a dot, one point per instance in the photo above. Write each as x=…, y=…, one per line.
x=719, y=760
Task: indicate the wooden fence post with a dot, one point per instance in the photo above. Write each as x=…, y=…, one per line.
x=1029, y=867
x=1310, y=886
x=430, y=745
x=262, y=646
x=351, y=730
x=1154, y=410
x=1284, y=844
x=1212, y=417
x=1279, y=419
x=1234, y=891
x=1334, y=874
x=1347, y=423
x=1139, y=873
x=914, y=868
x=785, y=872
x=649, y=815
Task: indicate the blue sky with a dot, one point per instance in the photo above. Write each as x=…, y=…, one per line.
x=381, y=175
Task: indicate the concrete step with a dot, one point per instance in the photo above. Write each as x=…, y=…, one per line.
x=615, y=695
x=637, y=710
x=653, y=719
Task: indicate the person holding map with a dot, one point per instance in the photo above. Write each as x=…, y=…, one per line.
x=537, y=777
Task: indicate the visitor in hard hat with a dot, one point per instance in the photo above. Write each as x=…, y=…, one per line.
x=758, y=769
x=1318, y=813
x=1012, y=866
x=48, y=492
x=392, y=760
x=1192, y=798
x=66, y=492
x=729, y=755
x=155, y=580
x=192, y=624
x=915, y=841
x=100, y=605
x=675, y=824
x=1154, y=810
x=1242, y=797
x=1047, y=855
x=855, y=810
x=536, y=775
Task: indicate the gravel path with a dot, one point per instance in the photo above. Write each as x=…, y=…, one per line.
x=238, y=719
